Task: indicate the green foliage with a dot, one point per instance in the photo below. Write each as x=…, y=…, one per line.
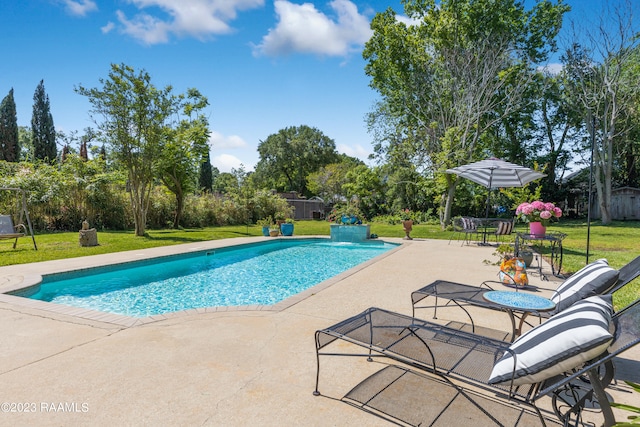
x=205, y=177
x=9, y=142
x=42, y=128
x=289, y=156
x=147, y=136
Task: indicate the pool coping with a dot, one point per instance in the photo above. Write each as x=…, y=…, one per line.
x=17, y=281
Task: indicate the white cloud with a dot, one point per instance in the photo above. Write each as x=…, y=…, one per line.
x=226, y=162
x=407, y=21
x=302, y=28
x=194, y=18
x=357, y=151
x=80, y=7
x=553, y=68
x=219, y=141
x=107, y=28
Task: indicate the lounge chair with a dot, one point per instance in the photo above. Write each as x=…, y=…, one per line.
x=10, y=231
x=446, y=366
x=580, y=285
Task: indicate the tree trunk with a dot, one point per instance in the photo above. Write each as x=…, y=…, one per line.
x=448, y=202
x=179, y=207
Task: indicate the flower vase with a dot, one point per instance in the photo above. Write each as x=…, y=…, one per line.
x=537, y=229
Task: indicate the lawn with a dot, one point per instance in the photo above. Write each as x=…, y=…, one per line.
x=617, y=242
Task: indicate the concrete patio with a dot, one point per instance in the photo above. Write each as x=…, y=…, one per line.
x=218, y=367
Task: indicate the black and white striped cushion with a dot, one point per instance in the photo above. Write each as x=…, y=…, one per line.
x=504, y=228
x=468, y=223
x=593, y=279
x=565, y=341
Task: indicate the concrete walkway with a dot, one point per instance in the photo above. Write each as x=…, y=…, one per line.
x=214, y=368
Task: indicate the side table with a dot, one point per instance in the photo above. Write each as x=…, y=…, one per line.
x=518, y=304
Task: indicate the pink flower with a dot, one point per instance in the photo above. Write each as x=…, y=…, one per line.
x=528, y=210
x=549, y=206
x=538, y=205
x=545, y=214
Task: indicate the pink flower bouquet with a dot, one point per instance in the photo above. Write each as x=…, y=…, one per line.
x=538, y=212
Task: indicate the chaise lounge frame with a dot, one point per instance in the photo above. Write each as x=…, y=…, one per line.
x=469, y=358
x=463, y=295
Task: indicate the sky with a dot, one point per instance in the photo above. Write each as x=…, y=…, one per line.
x=263, y=65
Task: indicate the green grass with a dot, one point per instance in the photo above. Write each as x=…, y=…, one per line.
x=617, y=242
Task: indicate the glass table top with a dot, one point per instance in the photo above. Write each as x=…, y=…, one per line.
x=519, y=300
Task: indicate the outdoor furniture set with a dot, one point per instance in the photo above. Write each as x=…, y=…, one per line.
x=456, y=372
x=481, y=228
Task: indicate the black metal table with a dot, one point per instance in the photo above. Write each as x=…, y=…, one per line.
x=554, y=238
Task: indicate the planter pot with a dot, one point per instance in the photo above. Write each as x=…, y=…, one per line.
x=274, y=233
x=265, y=231
x=407, y=226
x=527, y=257
x=537, y=229
x=286, y=229
x=348, y=219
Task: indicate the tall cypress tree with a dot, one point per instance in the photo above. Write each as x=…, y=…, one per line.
x=44, y=133
x=206, y=175
x=9, y=142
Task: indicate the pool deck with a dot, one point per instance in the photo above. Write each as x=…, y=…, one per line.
x=219, y=367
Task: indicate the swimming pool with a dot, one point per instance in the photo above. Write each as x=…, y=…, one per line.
x=254, y=274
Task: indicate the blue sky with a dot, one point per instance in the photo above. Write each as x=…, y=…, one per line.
x=264, y=65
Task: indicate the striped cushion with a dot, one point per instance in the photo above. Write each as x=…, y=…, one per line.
x=468, y=223
x=565, y=341
x=593, y=279
x=504, y=228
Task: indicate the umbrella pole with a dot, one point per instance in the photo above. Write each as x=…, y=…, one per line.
x=486, y=213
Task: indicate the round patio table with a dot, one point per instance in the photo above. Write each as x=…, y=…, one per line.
x=521, y=303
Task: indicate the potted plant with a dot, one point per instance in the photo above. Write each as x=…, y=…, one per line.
x=539, y=215
x=274, y=230
x=265, y=223
x=407, y=223
x=286, y=228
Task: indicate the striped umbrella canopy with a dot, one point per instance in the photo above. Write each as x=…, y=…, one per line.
x=496, y=173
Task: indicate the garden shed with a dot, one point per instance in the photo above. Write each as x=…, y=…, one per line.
x=625, y=204
x=305, y=208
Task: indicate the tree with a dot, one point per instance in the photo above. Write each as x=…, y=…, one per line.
x=289, y=156
x=205, y=178
x=183, y=150
x=9, y=143
x=132, y=115
x=605, y=84
x=460, y=69
x=42, y=128
x=327, y=182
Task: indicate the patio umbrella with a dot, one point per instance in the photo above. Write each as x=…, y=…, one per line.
x=496, y=173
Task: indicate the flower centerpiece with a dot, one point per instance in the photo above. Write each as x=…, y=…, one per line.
x=538, y=214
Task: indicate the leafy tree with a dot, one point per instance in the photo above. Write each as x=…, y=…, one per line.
x=9, y=142
x=450, y=77
x=328, y=181
x=42, y=128
x=205, y=179
x=183, y=150
x=133, y=115
x=368, y=186
x=289, y=156
x=604, y=84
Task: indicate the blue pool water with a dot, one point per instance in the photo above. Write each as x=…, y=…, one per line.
x=262, y=273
